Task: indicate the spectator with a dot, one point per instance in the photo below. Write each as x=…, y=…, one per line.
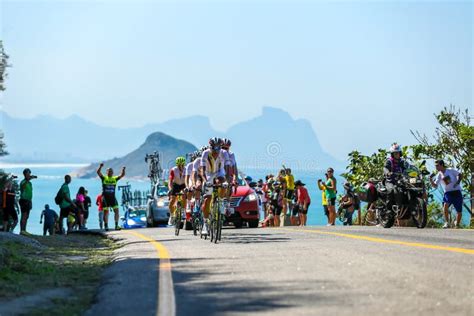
x=276, y=203
x=330, y=190
x=65, y=203
x=324, y=200
x=450, y=179
x=8, y=205
x=26, y=198
x=80, y=200
x=98, y=202
x=50, y=218
x=87, y=205
x=295, y=216
x=348, y=203
x=304, y=201
x=290, y=188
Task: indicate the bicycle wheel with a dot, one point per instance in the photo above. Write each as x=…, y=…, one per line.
x=178, y=220
x=218, y=227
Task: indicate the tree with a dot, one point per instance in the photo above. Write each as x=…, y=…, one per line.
x=3, y=66
x=453, y=142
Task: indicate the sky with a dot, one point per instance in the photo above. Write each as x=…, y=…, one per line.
x=363, y=73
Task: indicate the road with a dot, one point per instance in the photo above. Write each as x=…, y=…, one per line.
x=292, y=271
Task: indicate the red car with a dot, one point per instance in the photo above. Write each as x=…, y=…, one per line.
x=245, y=205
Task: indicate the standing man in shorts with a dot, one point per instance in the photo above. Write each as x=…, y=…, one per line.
x=26, y=198
x=450, y=179
x=66, y=204
x=109, y=184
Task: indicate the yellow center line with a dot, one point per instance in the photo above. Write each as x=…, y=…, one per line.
x=166, y=298
x=387, y=241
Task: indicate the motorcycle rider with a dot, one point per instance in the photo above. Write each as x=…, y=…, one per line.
x=394, y=166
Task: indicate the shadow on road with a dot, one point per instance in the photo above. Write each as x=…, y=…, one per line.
x=197, y=293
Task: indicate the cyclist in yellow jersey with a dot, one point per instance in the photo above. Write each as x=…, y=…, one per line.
x=109, y=184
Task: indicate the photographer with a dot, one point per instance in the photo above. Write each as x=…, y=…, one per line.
x=26, y=198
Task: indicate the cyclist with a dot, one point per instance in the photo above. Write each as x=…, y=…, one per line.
x=196, y=176
x=176, y=184
x=188, y=173
x=230, y=168
x=212, y=171
x=109, y=184
x=450, y=179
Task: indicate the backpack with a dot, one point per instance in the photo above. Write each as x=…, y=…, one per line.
x=59, y=196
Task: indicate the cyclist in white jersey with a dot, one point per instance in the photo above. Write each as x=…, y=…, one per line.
x=196, y=176
x=188, y=181
x=176, y=184
x=212, y=171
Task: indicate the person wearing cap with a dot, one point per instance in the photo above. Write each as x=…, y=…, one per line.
x=331, y=193
x=50, y=218
x=26, y=198
x=304, y=201
x=348, y=203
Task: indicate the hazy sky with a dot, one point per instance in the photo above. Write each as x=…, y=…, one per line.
x=363, y=73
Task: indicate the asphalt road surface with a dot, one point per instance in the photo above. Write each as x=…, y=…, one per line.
x=292, y=271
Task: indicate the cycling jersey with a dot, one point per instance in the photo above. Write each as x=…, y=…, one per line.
x=196, y=164
x=214, y=166
x=231, y=159
x=189, y=169
x=108, y=185
x=188, y=173
x=177, y=176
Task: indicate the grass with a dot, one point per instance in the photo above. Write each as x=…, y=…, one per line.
x=75, y=262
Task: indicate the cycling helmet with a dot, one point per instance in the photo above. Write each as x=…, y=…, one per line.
x=248, y=178
x=395, y=148
x=180, y=161
x=226, y=142
x=27, y=170
x=215, y=143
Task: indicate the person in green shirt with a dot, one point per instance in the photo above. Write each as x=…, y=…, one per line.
x=66, y=205
x=26, y=198
x=330, y=192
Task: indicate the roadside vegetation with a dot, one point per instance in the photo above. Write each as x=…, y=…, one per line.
x=73, y=263
x=453, y=142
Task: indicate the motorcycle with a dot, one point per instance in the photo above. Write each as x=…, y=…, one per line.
x=404, y=198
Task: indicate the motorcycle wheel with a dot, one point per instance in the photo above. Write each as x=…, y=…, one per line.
x=386, y=218
x=421, y=214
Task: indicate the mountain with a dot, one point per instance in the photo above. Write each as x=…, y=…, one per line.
x=275, y=138
x=168, y=146
x=48, y=139
x=263, y=142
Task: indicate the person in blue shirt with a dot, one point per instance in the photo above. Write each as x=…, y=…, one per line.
x=50, y=218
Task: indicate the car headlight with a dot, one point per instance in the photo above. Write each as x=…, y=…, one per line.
x=160, y=203
x=130, y=222
x=143, y=218
x=251, y=197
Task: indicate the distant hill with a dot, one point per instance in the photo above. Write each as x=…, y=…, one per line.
x=265, y=141
x=168, y=146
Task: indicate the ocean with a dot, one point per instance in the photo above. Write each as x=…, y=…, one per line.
x=51, y=177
